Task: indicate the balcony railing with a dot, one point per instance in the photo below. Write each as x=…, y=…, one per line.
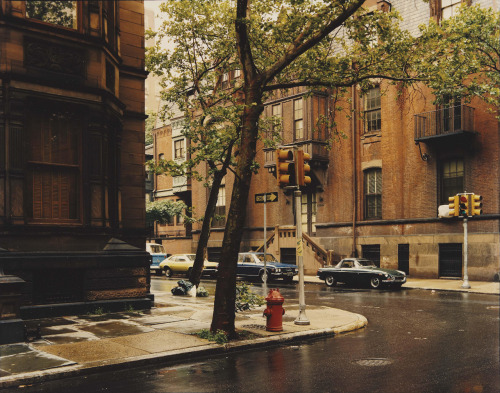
x=318, y=150
x=444, y=122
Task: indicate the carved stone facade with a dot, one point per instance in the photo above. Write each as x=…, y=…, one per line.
x=71, y=151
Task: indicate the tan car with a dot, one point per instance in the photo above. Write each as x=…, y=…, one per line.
x=183, y=264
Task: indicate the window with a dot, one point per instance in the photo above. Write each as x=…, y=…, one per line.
x=225, y=80
x=179, y=149
x=276, y=113
x=54, y=166
x=61, y=13
x=237, y=73
x=452, y=179
x=309, y=210
x=373, y=194
x=220, y=209
x=449, y=8
x=298, y=121
x=372, y=110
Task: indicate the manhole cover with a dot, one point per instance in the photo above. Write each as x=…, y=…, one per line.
x=374, y=362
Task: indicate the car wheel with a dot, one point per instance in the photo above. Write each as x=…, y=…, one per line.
x=189, y=272
x=261, y=277
x=168, y=272
x=375, y=282
x=288, y=279
x=330, y=281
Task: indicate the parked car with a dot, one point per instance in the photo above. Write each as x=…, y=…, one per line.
x=251, y=265
x=183, y=264
x=359, y=271
x=158, y=254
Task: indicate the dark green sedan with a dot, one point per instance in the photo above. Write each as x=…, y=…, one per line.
x=361, y=272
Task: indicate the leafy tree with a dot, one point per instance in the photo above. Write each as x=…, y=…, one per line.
x=164, y=211
x=465, y=59
x=277, y=45
x=150, y=125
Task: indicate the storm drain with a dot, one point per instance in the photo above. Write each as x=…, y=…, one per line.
x=258, y=327
x=373, y=362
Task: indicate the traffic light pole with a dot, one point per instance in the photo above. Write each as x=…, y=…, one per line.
x=466, y=274
x=302, y=318
x=265, y=243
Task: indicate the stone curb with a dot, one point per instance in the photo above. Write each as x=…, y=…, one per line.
x=175, y=355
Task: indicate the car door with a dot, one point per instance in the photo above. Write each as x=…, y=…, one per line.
x=347, y=274
x=246, y=266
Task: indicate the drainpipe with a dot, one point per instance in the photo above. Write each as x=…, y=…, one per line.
x=354, y=169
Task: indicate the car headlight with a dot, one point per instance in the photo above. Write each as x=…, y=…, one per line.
x=277, y=270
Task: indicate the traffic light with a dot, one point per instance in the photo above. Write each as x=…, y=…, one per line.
x=476, y=205
x=463, y=206
x=285, y=168
x=453, y=206
x=302, y=168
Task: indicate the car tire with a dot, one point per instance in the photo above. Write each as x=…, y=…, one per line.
x=330, y=281
x=261, y=277
x=189, y=272
x=168, y=272
x=288, y=280
x=375, y=282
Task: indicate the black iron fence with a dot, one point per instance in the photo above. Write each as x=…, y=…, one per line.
x=444, y=121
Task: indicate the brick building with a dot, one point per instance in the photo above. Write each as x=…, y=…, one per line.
x=72, y=153
x=376, y=193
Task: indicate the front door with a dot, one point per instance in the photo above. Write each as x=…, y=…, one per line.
x=404, y=258
x=450, y=260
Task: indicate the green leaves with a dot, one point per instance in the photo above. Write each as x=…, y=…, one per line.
x=464, y=61
x=164, y=211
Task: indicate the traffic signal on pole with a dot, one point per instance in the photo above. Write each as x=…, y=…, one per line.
x=285, y=168
x=453, y=206
x=463, y=205
x=302, y=168
x=476, y=205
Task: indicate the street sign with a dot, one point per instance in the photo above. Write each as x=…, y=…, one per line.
x=266, y=197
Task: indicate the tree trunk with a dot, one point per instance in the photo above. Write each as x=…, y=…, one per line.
x=225, y=294
x=195, y=275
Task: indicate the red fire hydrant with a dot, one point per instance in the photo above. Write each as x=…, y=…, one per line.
x=274, y=311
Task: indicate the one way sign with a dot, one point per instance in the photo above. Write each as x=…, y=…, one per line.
x=266, y=197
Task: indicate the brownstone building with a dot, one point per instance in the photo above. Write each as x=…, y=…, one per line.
x=377, y=191
x=72, y=153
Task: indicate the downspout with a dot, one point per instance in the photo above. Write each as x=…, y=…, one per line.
x=354, y=169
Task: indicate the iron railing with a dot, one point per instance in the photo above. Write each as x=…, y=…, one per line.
x=444, y=121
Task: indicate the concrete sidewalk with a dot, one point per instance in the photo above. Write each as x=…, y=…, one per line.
x=80, y=345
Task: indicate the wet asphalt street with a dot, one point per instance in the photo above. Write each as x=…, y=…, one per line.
x=415, y=341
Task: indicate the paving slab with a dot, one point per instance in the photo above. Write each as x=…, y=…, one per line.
x=160, y=341
x=91, y=351
x=159, y=319
x=115, y=328
x=185, y=326
x=31, y=360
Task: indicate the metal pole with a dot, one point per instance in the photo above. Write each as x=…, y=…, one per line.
x=302, y=318
x=265, y=242
x=466, y=274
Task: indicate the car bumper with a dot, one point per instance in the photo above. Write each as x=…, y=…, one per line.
x=395, y=280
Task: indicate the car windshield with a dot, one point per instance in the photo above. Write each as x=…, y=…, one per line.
x=191, y=256
x=157, y=249
x=366, y=262
x=269, y=257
